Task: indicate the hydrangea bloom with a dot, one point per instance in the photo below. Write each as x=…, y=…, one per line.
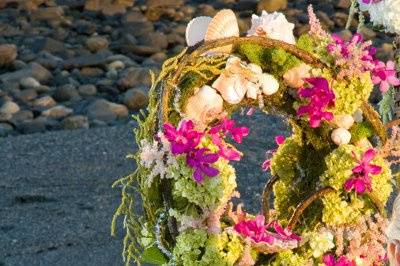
x=274, y=26
x=321, y=242
x=329, y=260
x=385, y=13
x=279, y=140
x=361, y=180
x=184, y=138
x=321, y=97
x=385, y=75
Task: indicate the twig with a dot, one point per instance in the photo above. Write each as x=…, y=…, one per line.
x=265, y=197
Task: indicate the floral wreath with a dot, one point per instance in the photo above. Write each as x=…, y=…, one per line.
x=330, y=179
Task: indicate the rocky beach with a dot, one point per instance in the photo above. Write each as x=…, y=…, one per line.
x=70, y=80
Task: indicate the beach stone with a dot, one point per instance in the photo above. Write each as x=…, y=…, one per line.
x=34, y=70
x=29, y=83
x=156, y=40
x=75, y=122
x=345, y=4
x=116, y=65
x=91, y=72
x=66, y=93
x=33, y=126
x=100, y=58
x=135, y=77
x=57, y=112
x=106, y=111
x=21, y=117
x=44, y=102
x=271, y=5
x=27, y=95
x=96, y=43
x=53, y=15
x=9, y=107
x=367, y=33
x=8, y=53
x=136, y=99
x=87, y=90
x=5, y=129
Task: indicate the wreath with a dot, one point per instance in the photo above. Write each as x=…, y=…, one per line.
x=330, y=179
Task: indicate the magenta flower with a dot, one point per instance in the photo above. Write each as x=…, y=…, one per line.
x=267, y=163
x=184, y=139
x=371, y=1
x=201, y=163
x=320, y=98
x=361, y=180
x=220, y=131
x=329, y=260
x=256, y=230
x=385, y=75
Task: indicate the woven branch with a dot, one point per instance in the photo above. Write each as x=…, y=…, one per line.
x=265, y=197
x=373, y=117
x=305, y=203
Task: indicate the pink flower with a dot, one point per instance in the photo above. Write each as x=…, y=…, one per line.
x=385, y=75
x=329, y=260
x=184, y=138
x=371, y=1
x=267, y=163
x=320, y=98
x=200, y=161
x=361, y=180
x=220, y=131
x=256, y=230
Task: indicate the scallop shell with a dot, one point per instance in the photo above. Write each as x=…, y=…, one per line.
x=224, y=24
x=344, y=121
x=295, y=76
x=268, y=83
x=204, y=106
x=231, y=88
x=252, y=90
x=341, y=136
x=196, y=30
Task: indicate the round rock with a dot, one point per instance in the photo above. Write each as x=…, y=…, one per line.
x=29, y=83
x=106, y=111
x=87, y=90
x=66, y=93
x=57, y=112
x=136, y=99
x=75, y=122
x=9, y=107
x=96, y=43
x=8, y=53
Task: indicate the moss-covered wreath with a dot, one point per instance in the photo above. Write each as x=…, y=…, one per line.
x=331, y=179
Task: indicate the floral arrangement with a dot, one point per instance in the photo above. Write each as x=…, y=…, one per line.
x=331, y=179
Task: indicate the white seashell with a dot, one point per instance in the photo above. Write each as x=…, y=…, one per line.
x=295, y=76
x=268, y=83
x=255, y=68
x=231, y=88
x=252, y=90
x=341, y=136
x=196, y=30
x=224, y=24
x=358, y=116
x=344, y=121
x=204, y=106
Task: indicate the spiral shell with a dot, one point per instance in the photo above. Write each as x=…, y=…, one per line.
x=341, y=136
x=295, y=76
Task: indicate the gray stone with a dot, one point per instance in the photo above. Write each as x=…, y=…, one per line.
x=91, y=72
x=56, y=112
x=5, y=129
x=34, y=126
x=135, y=77
x=9, y=107
x=27, y=95
x=96, y=43
x=271, y=5
x=53, y=15
x=75, y=122
x=156, y=40
x=136, y=99
x=87, y=90
x=345, y=4
x=21, y=117
x=66, y=93
x=29, y=83
x=98, y=59
x=116, y=65
x=8, y=53
x=44, y=102
x=106, y=111
x=34, y=70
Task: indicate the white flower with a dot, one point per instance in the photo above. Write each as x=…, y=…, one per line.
x=321, y=242
x=274, y=26
x=385, y=13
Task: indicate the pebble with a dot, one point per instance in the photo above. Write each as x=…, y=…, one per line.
x=5, y=129
x=75, y=122
x=9, y=107
x=271, y=5
x=135, y=77
x=96, y=43
x=44, y=102
x=87, y=90
x=34, y=70
x=66, y=93
x=27, y=95
x=136, y=99
x=116, y=65
x=57, y=112
x=29, y=83
x=33, y=126
x=106, y=111
x=8, y=53
x=21, y=117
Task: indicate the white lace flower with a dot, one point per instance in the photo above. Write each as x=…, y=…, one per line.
x=274, y=26
x=385, y=13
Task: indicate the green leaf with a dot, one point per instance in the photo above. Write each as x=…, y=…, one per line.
x=153, y=255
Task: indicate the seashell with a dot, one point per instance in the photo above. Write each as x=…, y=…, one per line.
x=223, y=24
x=252, y=90
x=358, y=116
x=344, y=121
x=341, y=136
x=196, y=30
x=255, y=68
x=204, y=106
x=268, y=83
x=295, y=76
x=231, y=88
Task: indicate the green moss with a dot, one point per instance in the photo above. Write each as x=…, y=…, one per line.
x=306, y=43
x=361, y=130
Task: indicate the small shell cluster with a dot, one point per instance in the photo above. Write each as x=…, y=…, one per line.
x=341, y=135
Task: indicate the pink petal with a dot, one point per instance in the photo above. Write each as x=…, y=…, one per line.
x=375, y=169
x=384, y=87
x=280, y=139
x=369, y=155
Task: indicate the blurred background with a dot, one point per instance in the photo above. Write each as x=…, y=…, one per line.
x=72, y=72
